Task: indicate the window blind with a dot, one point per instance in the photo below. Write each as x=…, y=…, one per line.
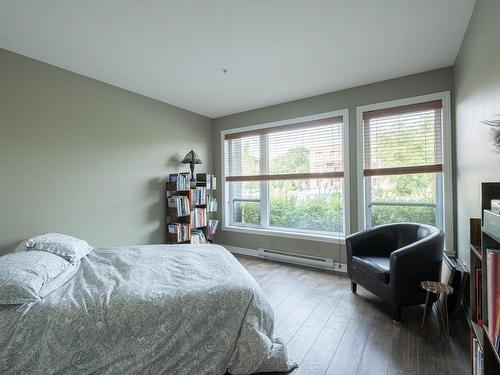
x=403, y=140
x=307, y=150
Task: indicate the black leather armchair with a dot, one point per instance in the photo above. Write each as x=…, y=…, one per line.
x=392, y=260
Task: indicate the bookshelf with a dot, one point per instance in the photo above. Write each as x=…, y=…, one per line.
x=190, y=208
x=483, y=237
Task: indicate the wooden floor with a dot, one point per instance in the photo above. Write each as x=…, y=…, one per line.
x=329, y=330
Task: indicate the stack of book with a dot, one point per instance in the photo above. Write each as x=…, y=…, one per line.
x=180, y=231
x=493, y=279
x=207, y=180
x=197, y=237
x=212, y=226
x=198, y=195
x=183, y=180
x=181, y=203
x=211, y=204
x=477, y=358
x=199, y=217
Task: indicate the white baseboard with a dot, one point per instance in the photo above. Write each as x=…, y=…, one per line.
x=291, y=259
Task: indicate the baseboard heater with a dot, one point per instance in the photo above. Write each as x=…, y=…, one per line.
x=303, y=260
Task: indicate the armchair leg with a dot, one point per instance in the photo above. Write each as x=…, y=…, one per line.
x=396, y=314
x=353, y=287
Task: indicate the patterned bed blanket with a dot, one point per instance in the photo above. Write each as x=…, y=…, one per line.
x=161, y=309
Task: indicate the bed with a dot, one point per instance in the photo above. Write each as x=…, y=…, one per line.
x=161, y=309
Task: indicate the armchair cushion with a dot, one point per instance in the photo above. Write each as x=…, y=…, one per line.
x=376, y=267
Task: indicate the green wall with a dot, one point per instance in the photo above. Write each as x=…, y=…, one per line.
x=414, y=85
x=82, y=157
x=477, y=98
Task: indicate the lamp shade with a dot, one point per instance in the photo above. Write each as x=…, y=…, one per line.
x=191, y=158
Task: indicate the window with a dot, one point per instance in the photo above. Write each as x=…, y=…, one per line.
x=282, y=177
x=403, y=153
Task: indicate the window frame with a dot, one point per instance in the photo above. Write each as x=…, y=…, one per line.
x=447, y=180
x=288, y=232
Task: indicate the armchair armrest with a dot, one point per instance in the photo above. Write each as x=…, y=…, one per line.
x=418, y=254
x=413, y=264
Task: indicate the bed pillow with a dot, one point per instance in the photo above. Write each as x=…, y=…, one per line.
x=67, y=247
x=23, y=275
x=61, y=279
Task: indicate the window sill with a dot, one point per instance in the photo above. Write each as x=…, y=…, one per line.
x=287, y=234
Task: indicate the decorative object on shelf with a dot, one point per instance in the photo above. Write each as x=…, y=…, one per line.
x=191, y=158
x=442, y=291
x=494, y=132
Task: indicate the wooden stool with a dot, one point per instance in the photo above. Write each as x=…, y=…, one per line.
x=441, y=290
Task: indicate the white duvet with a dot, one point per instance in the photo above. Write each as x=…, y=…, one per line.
x=150, y=310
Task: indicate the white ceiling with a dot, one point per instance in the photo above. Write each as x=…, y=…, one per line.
x=274, y=51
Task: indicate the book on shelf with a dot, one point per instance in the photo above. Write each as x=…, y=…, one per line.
x=212, y=226
x=478, y=274
x=182, y=180
x=182, y=232
x=181, y=203
x=198, y=195
x=198, y=217
x=497, y=341
x=197, y=237
x=477, y=358
x=207, y=180
x=211, y=204
x=493, y=288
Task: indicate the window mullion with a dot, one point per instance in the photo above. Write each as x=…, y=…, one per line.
x=230, y=186
x=439, y=201
x=367, y=163
x=438, y=146
x=236, y=166
x=264, y=185
x=368, y=202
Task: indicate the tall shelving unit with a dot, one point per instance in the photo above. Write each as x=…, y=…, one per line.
x=173, y=217
x=480, y=240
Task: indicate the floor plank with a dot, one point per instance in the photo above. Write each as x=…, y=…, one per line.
x=305, y=337
x=329, y=330
x=320, y=354
x=287, y=328
x=350, y=350
x=376, y=356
